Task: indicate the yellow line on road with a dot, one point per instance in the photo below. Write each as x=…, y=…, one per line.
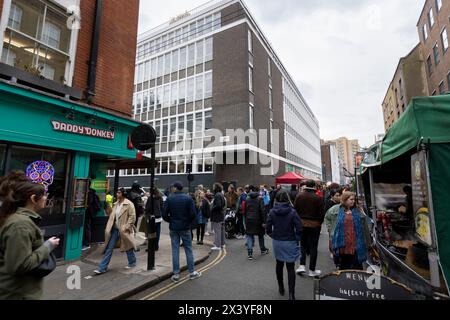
x=222, y=254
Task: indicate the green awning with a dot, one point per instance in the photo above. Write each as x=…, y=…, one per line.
x=426, y=118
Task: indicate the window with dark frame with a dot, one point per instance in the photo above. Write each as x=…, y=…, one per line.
x=436, y=54
x=429, y=65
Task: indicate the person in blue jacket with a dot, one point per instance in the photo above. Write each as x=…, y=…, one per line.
x=180, y=212
x=284, y=226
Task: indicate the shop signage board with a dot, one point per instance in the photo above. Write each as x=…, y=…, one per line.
x=82, y=130
x=360, y=285
x=420, y=198
x=80, y=193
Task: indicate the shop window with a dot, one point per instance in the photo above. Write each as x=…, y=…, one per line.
x=37, y=39
x=23, y=157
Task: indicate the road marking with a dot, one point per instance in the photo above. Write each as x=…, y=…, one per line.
x=222, y=254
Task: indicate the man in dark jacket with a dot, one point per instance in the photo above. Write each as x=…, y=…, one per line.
x=310, y=208
x=94, y=206
x=218, y=216
x=293, y=193
x=179, y=211
x=255, y=219
x=273, y=195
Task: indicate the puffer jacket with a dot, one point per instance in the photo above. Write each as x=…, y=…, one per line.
x=254, y=215
x=283, y=223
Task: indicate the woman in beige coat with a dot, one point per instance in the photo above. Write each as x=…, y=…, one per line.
x=120, y=228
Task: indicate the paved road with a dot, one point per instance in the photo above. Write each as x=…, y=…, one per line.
x=230, y=276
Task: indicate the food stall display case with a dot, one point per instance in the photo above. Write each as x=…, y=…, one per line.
x=405, y=181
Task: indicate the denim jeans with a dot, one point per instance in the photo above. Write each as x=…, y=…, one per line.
x=185, y=236
x=158, y=234
x=251, y=243
x=109, y=251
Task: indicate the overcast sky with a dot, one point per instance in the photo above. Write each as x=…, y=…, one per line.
x=341, y=53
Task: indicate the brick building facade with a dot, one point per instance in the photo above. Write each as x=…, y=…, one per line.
x=433, y=28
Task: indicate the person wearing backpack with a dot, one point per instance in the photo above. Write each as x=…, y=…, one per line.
x=135, y=196
x=255, y=219
x=94, y=206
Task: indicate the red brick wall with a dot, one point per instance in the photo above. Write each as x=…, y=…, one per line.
x=117, y=52
x=1, y=7
x=434, y=36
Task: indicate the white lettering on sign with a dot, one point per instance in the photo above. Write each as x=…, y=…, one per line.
x=82, y=130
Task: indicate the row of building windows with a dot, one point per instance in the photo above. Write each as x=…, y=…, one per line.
x=179, y=165
x=294, y=110
x=183, y=127
x=195, y=88
x=431, y=21
x=299, y=160
x=188, y=57
x=294, y=133
x=181, y=35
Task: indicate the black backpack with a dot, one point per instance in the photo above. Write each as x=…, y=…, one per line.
x=138, y=203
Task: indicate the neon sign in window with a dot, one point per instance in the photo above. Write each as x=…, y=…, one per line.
x=41, y=172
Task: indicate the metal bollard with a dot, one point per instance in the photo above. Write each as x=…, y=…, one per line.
x=151, y=227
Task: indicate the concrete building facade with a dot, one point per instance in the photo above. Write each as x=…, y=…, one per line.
x=213, y=70
x=330, y=163
x=347, y=150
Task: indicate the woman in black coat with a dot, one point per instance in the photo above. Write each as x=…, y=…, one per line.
x=254, y=219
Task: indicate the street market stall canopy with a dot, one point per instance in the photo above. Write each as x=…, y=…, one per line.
x=290, y=178
x=426, y=120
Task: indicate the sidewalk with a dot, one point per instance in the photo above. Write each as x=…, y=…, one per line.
x=118, y=282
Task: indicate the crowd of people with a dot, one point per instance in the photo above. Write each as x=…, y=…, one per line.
x=292, y=218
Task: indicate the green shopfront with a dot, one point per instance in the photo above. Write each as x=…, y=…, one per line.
x=61, y=142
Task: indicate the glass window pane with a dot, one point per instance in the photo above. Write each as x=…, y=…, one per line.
x=166, y=100
x=208, y=85
x=167, y=69
x=182, y=92
x=190, y=89
x=174, y=94
x=174, y=60
x=199, y=58
x=183, y=58
x=199, y=88
x=208, y=120
x=153, y=69
x=23, y=157
x=209, y=49
x=191, y=55
x=160, y=66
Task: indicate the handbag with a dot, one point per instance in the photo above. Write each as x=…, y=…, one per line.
x=46, y=267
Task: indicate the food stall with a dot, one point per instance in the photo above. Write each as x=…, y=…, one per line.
x=405, y=182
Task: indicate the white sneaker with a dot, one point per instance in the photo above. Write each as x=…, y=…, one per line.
x=301, y=269
x=195, y=275
x=216, y=248
x=315, y=273
x=207, y=234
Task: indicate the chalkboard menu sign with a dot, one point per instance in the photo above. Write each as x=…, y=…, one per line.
x=80, y=193
x=420, y=198
x=360, y=285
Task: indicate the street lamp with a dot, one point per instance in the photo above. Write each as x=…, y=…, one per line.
x=143, y=139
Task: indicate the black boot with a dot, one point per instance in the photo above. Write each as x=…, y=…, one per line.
x=292, y=295
x=281, y=287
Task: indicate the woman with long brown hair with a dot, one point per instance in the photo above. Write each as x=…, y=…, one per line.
x=351, y=236
x=22, y=247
